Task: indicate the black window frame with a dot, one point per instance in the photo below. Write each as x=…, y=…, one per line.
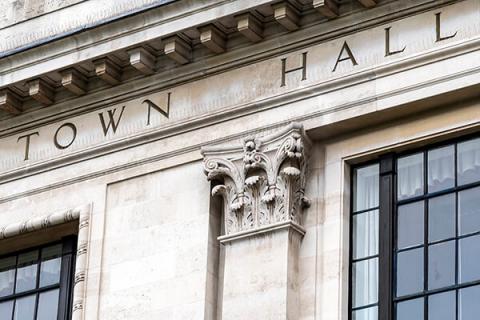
x=387, y=225
x=65, y=285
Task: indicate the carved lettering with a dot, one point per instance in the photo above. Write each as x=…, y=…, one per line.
x=111, y=120
x=303, y=68
x=345, y=49
x=27, y=143
x=388, y=52
x=151, y=105
x=73, y=128
x=438, y=28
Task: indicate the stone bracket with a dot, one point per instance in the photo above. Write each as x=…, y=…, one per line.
x=74, y=81
x=328, y=8
x=41, y=91
x=178, y=50
x=250, y=27
x=108, y=71
x=212, y=38
x=142, y=60
x=10, y=102
x=286, y=15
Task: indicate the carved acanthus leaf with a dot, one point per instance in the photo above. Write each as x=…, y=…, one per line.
x=266, y=184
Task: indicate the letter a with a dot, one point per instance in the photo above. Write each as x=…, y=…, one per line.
x=350, y=56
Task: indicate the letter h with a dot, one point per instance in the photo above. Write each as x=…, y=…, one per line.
x=303, y=68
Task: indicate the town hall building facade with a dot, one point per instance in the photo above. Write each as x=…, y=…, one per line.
x=240, y=159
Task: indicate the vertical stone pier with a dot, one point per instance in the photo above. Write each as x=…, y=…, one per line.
x=262, y=183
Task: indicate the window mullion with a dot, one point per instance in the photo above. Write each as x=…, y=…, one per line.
x=386, y=221
x=66, y=275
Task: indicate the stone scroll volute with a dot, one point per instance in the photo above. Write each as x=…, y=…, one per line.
x=262, y=181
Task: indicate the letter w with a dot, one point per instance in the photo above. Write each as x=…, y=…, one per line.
x=111, y=120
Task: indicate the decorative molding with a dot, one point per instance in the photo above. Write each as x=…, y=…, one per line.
x=10, y=102
x=39, y=90
x=262, y=181
x=82, y=215
x=74, y=81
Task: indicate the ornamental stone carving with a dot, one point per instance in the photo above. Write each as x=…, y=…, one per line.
x=262, y=182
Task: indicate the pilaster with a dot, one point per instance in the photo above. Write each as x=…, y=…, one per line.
x=262, y=183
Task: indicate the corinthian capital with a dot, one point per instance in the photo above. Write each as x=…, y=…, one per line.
x=262, y=181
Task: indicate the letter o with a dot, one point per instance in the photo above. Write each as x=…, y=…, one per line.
x=55, y=137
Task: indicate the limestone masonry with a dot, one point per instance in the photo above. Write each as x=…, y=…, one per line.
x=203, y=155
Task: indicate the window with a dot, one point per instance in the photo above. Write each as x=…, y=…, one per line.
x=415, y=235
x=36, y=284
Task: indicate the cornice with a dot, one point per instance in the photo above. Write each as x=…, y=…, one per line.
x=259, y=106
x=54, y=62
x=287, y=42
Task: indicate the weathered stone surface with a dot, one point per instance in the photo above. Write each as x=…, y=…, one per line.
x=156, y=245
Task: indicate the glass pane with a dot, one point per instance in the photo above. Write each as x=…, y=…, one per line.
x=50, y=272
x=410, y=225
x=441, y=265
x=25, y=308
x=409, y=272
x=469, y=265
x=52, y=252
x=7, y=276
x=366, y=191
x=468, y=164
x=469, y=211
x=442, y=306
x=366, y=314
x=26, y=278
x=48, y=305
x=410, y=176
x=365, y=282
x=410, y=310
x=441, y=169
x=365, y=234
x=6, y=309
x=469, y=306
x=441, y=218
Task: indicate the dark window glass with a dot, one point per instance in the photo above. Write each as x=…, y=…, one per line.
x=442, y=306
x=30, y=283
x=469, y=211
x=7, y=275
x=410, y=225
x=410, y=272
x=469, y=263
x=441, y=169
x=25, y=308
x=416, y=243
x=441, y=215
x=468, y=163
x=469, y=306
x=27, y=271
x=365, y=234
x=410, y=310
x=410, y=176
x=366, y=314
x=48, y=305
x=441, y=265
x=50, y=265
x=6, y=309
